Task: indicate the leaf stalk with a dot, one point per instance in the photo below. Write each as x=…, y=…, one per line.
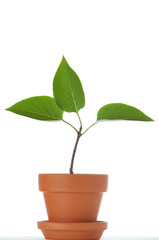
x=70, y=125
x=89, y=128
x=79, y=119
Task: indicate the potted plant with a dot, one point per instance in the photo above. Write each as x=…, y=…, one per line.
x=72, y=200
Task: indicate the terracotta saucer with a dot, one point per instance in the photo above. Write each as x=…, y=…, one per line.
x=67, y=231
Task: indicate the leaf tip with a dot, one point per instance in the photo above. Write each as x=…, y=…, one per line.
x=63, y=58
x=152, y=120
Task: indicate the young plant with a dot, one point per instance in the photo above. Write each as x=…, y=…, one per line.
x=69, y=97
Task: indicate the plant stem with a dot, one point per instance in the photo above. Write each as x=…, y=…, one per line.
x=79, y=119
x=88, y=128
x=70, y=125
x=75, y=148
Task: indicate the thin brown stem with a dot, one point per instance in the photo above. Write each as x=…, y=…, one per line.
x=74, y=150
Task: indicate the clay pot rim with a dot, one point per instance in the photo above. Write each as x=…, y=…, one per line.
x=73, y=182
x=77, y=226
x=75, y=174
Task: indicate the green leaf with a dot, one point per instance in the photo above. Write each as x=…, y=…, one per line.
x=120, y=111
x=40, y=108
x=67, y=88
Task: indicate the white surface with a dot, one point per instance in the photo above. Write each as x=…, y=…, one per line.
x=103, y=238
x=114, y=47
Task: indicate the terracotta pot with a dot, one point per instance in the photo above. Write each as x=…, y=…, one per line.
x=72, y=231
x=72, y=197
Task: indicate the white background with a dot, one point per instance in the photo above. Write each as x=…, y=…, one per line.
x=114, y=48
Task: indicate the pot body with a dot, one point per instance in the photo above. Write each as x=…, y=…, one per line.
x=73, y=197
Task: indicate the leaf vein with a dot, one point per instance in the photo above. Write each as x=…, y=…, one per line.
x=40, y=114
